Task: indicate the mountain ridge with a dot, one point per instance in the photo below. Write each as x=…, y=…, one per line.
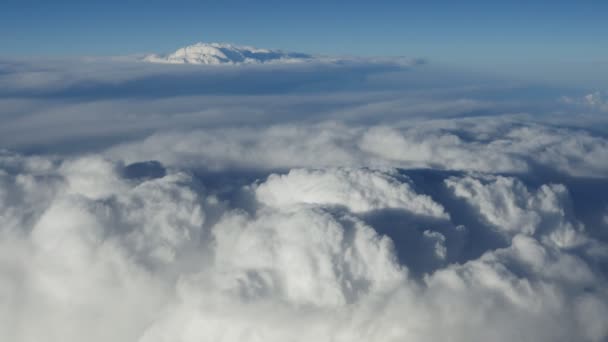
x=224, y=53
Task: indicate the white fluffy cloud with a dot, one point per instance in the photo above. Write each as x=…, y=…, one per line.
x=163, y=259
x=484, y=144
x=304, y=203
x=359, y=190
x=594, y=101
x=508, y=206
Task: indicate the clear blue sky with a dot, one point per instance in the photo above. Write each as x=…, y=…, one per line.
x=512, y=31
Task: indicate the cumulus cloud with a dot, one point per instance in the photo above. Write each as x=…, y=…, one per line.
x=165, y=259
x=506, y=204
x=480, y=144
x=342, y=203
x=594, y=101
x=358, y=190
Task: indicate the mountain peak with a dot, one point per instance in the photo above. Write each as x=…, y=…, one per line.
x=224, y=53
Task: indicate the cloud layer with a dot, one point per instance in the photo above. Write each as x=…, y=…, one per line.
x=303, y=203
x=164, y=259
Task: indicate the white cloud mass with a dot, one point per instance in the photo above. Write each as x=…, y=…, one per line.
x=297, y=203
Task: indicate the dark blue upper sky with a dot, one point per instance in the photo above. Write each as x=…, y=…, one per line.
x=463, y=32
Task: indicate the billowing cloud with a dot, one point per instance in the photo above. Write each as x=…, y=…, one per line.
x=481, y=144
x=358, y=190
x=392, y=207
x=594, y=101
x=164, y=259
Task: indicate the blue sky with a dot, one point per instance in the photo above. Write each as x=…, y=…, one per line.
x=460, y=32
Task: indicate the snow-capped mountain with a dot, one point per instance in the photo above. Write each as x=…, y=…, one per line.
x=221, y=53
